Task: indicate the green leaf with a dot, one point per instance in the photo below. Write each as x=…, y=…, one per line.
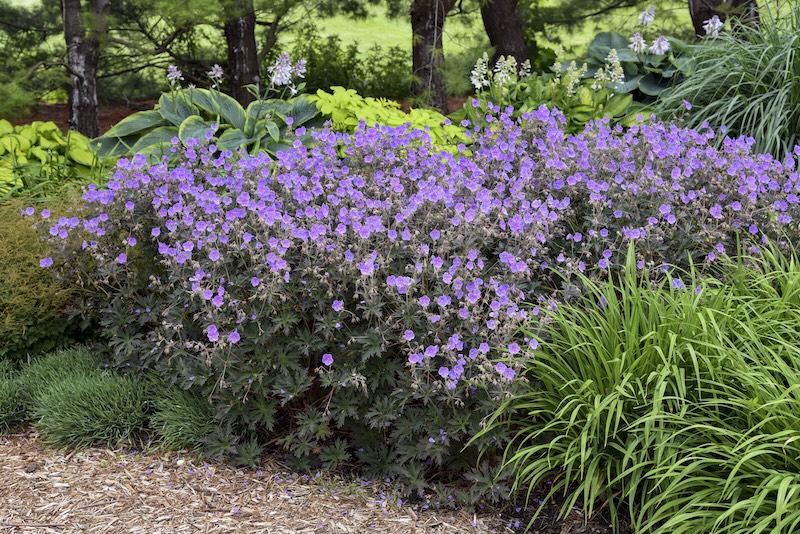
x=269, y=108
x=617, y=106
x=193, y=128
x=303, y=111
x=221, y=105
x=175, y=107
x=81, y=155
x=652, y=85
x=162, y=134
x=232, y=139
x=138, y=122
x=272, y=128
x=5, y=127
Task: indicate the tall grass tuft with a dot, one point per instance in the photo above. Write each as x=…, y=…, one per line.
x=182, y=419
x=747, y=80
x=679, y=403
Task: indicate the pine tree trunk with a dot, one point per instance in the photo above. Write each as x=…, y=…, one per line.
x=240, y=34
x=427, y=53
x=83, y=52
x=503, y=26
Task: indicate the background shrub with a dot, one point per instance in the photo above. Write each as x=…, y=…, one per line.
x=33, y=309
x=366, y=307
x=747, y=80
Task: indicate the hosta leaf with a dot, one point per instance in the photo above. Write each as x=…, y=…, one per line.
x=175, y=107
x=303, y=111
x=617, y=105
x=138, y=122
x=219, y=104
x=195, y=127
x=162, y=134
x=232, y=139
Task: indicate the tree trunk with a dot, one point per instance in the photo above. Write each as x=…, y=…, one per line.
x=746, y=11
x=83, y=51
x=427, y=53
x=503, y=26
x=240, y=34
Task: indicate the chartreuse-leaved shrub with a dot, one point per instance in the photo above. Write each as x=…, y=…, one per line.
x=677, y=401
x=33, y=308
x=366, y=308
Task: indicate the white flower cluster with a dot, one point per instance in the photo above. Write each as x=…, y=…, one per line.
x=504, y=73
x=283, y=71
x=712, y=26
x=612, y=73
x=639, y=46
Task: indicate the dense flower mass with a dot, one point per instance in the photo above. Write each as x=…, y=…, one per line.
x=406, y=272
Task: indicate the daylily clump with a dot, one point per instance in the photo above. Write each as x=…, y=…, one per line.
x=377, y=297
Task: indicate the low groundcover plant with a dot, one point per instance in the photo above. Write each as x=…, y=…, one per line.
x=367, y=306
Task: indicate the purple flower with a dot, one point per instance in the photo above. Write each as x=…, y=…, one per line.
x=415, y=358
x=255, y=281
x=45, y=262
x=234, y=337
x=212, y=333
x=213, y=255
x=716, y=211
x=327, y=359
x=408, y=335
x=131, y=241
x=122, y=258
x=513, y=348
x=338, y=305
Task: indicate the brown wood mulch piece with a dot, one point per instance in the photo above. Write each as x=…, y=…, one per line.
x=99, y=490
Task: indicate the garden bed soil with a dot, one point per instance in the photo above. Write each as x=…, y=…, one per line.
x=45, y=490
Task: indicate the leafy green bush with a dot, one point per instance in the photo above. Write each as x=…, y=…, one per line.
x=15, y=101
x=37, y=159
x=100, y=409
x=579, y=100
x=747, y=81
x=33, y=307
x=12, y=408
x=679, y=401
x=647, y=74
x=347, y=110
x=183, y=419
x=376, y=72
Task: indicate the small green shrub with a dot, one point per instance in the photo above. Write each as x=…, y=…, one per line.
x=85, y=410
x=183, y=419
x=32, y=305
x=37, y=159
x=12, y=409
x=347, y=109
x=54, y=368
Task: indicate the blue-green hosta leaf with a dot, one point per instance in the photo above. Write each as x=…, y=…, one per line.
x=653, y=85
x=195, y=127
x=303, y=111
x=628, y=85
x=221, y=105
x=176, y=107
x=232, y=139
x=269, y=108
x=162, y=134
x=113, y=146
x=138, y=122
x=273, y=130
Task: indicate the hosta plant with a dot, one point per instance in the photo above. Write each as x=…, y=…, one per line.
x=266, y=124
x=366, y=308
x=37, y=158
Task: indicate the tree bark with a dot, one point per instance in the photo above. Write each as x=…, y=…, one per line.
x=503, y=26
x=746, y=11
x=427, y=53
x=240, y=34
x=83, y=52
